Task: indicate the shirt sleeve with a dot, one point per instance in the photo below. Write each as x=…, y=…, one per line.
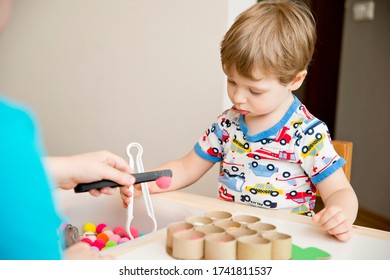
x=210, y=145
x=316, y=153
x=29, y=217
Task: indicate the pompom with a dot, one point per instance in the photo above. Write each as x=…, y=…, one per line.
x=123, y=240
x=115, y=237
x=108, y=232
x=164, y=182
x=122, y=233
x=134, y=232
x=87, y=240
x=118, y=229
x=89, y=227
x=100, y=227
x=110, y=243
x=99, y=243
x=102, y=236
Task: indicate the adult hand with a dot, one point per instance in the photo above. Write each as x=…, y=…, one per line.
x=70, y=171
x=82, y=251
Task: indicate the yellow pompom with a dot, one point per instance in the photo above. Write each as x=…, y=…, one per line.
x=89, y=227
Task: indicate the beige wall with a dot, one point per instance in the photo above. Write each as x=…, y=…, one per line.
x=100, y=74
x=363, y=114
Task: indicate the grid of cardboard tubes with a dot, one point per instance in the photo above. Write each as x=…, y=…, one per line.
x=218, y=235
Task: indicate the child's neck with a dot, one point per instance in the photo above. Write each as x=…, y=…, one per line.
x=260, y=123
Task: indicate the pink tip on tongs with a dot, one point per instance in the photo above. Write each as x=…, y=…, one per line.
x=144, y=187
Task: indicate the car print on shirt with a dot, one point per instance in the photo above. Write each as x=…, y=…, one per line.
x=293, y=181
x=314, y=147
x=223, y=194
x=299, y=197
x=213, y=151
x=233, y=169
x=263, y=170
x=302, y=210
x=266, y=203
x=233, y=182
x=283, y=137
x=327, y=161
x=222, y=134
x=240, y=147
x=298, y=137
x=225, y=122
x=266, y=154
x=295, y=124
x=305, y=111
x=264, y=188
x=311, y=128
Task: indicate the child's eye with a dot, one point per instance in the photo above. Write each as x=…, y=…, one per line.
x=255, y=92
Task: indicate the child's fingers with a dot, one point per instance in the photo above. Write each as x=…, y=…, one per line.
x=125, y=192
x=343, y=227
x=334, y=221
x=331, y=218
x=126, y=195
x=316, y=218
x=345, y=236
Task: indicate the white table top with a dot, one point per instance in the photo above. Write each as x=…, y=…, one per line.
x=366, y=243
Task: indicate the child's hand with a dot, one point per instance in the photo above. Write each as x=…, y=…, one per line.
x=153, y=187
x=335, y=222
x=126, y=194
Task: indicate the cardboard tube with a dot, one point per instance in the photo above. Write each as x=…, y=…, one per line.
x=253, y=247
x=227, y=224
x=176, y=227
x=246, y=219
x=262, y=227
x=218, y=215
x=197, y=221
x=238, y=232
x=188, y=245
x=210, y=229
x=281, y=245
x=220, y=246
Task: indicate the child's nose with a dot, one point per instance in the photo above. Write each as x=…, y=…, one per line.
x=239, y=96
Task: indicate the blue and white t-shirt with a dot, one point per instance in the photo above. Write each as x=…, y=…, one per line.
x=277, y=168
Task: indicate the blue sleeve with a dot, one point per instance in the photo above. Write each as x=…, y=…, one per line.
x=317, y=155
x=211, y=145
x=29, y=220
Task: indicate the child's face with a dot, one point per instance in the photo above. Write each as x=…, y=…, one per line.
x=258, y=97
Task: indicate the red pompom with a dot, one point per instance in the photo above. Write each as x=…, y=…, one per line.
x=100, y=228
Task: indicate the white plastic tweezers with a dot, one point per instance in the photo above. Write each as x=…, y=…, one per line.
x=144, y=187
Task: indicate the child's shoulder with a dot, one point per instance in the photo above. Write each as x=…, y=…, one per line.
x=305, y=120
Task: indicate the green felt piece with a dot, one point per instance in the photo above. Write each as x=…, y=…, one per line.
x=310, y=253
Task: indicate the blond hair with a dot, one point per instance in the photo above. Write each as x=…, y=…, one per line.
x=274, y=37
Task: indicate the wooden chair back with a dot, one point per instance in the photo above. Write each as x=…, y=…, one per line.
x=344, y=149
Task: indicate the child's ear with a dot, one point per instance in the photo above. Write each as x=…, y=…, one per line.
x=298, y=80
